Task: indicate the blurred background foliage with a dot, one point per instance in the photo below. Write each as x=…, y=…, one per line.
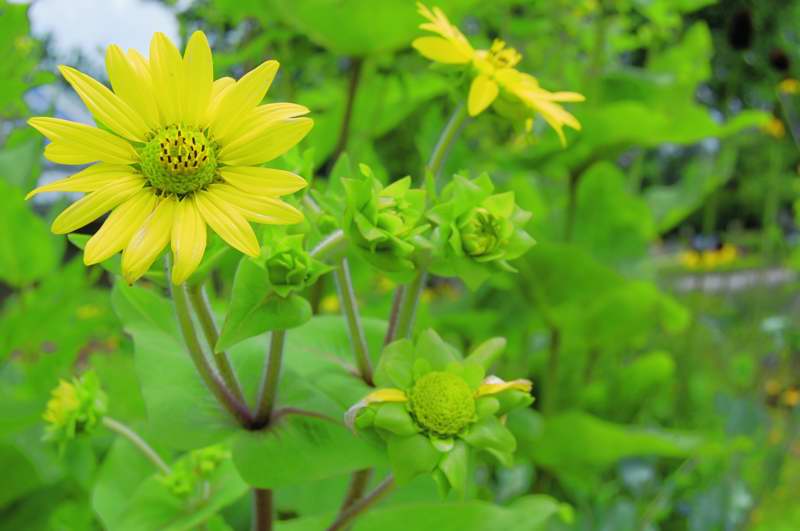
x=656, y=316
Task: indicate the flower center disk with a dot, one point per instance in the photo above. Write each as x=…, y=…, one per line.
x=179, y=160
x=442, y=403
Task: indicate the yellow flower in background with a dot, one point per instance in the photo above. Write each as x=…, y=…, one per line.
x=774, y=128
x=495, y=80
x=174, y=151
x=789, y=86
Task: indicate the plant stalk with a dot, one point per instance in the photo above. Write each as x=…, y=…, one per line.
x=140, y=444
x=210, y=377
x=361, y=506
x=269, y=382
x=347, y=297
x=202, y=309
x=446, y=138
x=262, y=510
x=408, y=305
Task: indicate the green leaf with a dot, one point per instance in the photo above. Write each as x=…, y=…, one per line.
x=455, y=466
x=411, y=456
x=28, y=252
x=491, y=435
x=395, y=365
x=254, y=309
x=301, y=449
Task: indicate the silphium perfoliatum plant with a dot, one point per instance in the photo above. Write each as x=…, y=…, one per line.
x=385, y=223
x=75, y=408
x=476, y=230
x=434, y=409
x=267, y=290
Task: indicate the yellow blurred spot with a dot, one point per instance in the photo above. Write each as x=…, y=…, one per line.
x=772, y=387
x=88, y=311
x=774, y=128
x=690, y=259
x=775, y=436
x=791, y=397
x=329, y=304
x=427, y=295
x=789, y=86
x=384, y=284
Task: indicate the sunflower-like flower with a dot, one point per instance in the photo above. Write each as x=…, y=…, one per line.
x=74, y=408
x=515, y=94
x=434, y=406
x=174, y=151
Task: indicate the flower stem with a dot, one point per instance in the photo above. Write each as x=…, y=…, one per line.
x=446, y=138
x=344, y=286
x=393, y=315
x=356, y=509
x=262, y=510
x=269, y=382
x=356, y=68
x=358, y=483
x=202, y=309
x=408, y=305
x=140, y=444
x=332, y=243
x=212, y=380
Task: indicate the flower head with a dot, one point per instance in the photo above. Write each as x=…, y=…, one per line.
x=476, y=230
x=192, y=469
x=384, y=222
x=434, y=406
x=495, y=80
x=175, y=152
x=289, y=266
x=74, y=408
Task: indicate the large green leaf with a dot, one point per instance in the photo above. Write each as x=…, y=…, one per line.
x=359, y=27
x=529, y=513
x=28, y=251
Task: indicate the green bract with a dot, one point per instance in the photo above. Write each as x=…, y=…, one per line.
x=192, y=469
x=477, y=231
x=385, y=222
x=433, y=406
x=289, y=266
x=75, y=408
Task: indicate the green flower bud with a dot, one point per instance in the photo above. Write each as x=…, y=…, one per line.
x=192, y=469
x=442, y=403
x=289, y=266
x=75, y=408
x=384, y=222
x=477, y=230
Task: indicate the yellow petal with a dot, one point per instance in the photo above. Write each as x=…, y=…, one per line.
x=166, y=68
x=381, y=395
x=75, y=143
x=273, y=142
x=94, y=205
x=108, y=108
x=262, y=181
x=217, y=90
x=440, y=50
x=259, y=120
x=87, y=180
x=261, y=209
x=188, y=240
x=226, y=221
x=148, y=241
x=482, y=93
x=492, y=385
x=130, y=79
x=199, y=76
x=238, y=100
x=119, y=227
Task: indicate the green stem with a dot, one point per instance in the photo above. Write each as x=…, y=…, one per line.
x=408, y=306
x=212, y=380
x=356, y=68
x=347, y=297
x=771, y=232
x=361, y=506
x=358, y=484
x=446, y=138
x=269, y=382
x=331, y=245
x=140, y=444
x=551, y=386
x=262, y=510
x=391, y=330
x=202, y=309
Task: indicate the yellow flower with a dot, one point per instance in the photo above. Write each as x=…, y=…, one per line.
x=495, y=80
x=789, y=86
x=774, y=128
x=176, y=151
x=690, y=259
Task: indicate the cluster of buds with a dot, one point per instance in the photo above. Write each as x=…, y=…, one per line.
x=192, y=470
x=75, y=408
